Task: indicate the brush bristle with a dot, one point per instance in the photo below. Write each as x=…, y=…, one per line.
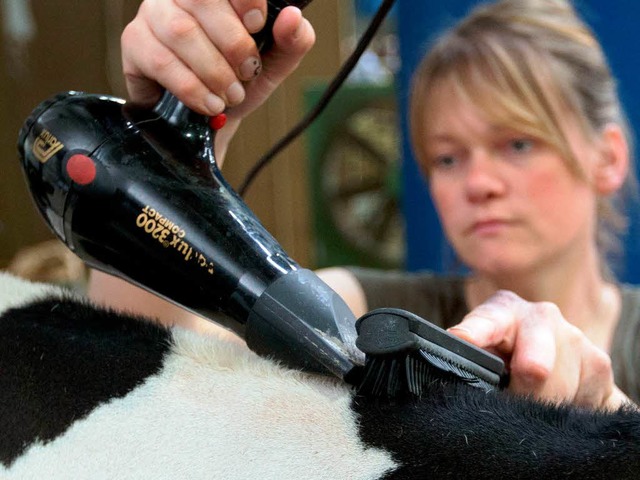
x=412, y=374
x=406, y=355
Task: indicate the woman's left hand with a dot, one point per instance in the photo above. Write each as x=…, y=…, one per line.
x=548, y=358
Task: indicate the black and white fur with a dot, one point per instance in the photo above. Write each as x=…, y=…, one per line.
x=87, y=393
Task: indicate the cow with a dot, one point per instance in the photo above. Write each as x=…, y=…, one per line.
x=90, y=393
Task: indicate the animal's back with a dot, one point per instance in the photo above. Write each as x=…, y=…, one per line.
x=86, y=393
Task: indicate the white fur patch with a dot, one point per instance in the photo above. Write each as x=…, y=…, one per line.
x=16, y=292
x=216, y=410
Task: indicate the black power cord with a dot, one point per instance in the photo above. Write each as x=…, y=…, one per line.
x=328, y=94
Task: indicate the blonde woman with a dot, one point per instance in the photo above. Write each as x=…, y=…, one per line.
x=518, y=128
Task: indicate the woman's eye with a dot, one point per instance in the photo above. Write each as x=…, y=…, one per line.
x=444, y=161
x=521, y=145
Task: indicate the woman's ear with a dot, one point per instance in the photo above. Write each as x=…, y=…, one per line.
x=613, y=165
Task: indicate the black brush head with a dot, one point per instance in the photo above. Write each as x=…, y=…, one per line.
x=405, y=355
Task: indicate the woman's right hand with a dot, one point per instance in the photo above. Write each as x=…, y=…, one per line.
x=548, y=358
x=202, y=52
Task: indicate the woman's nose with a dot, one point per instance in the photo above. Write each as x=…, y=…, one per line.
x=483, y=180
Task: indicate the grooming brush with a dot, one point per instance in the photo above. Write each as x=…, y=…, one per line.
x=405, y=354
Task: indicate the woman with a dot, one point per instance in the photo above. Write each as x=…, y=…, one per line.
x=518, y=128
x=519, y=131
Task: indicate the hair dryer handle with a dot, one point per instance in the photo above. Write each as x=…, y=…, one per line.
x=264, y=38
x=178, y=115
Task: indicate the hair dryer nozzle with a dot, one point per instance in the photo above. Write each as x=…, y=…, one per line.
x=300, y=305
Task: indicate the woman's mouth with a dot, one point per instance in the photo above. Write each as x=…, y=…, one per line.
x=489, y=227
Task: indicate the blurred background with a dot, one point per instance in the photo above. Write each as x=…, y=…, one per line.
x=347, y=192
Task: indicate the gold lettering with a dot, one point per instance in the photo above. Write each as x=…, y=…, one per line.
x=183, y=247
x=149, y=226
x=160, y=227
x=163, y=237
x=46, y=146
x=141, y=220
x=174, y=241
x=186, y=250
x=158, y=230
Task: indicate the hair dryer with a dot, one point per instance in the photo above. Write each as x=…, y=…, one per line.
x=137, y=193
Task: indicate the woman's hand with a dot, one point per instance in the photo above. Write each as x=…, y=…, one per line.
x=202, y=51
x=548, y=358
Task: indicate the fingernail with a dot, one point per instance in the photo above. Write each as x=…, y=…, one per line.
x=214, y=104
x=461, y=332
x=296, y=34
x=235, y=93
x=253, y=20
x=250, y=68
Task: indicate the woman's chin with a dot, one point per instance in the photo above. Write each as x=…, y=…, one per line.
x=499, y=264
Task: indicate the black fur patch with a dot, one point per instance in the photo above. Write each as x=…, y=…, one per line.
x=456, y=431
x=60, y=359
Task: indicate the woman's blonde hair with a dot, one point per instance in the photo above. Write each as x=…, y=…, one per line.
x=526, y=64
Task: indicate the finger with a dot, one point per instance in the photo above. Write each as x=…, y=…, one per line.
x=226, y=31
x=160, y=64
x=293, y=38
x=252, y=12
x=618, y=399
x=535, y=356
x=596, y=377
x=142, y=90
x=493, y=324
x=181, y=33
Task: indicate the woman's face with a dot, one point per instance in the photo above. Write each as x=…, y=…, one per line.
x=507, y=202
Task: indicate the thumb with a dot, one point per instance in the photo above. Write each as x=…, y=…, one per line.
x=494, y=323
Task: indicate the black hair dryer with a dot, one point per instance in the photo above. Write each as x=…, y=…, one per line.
x=137, y=194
